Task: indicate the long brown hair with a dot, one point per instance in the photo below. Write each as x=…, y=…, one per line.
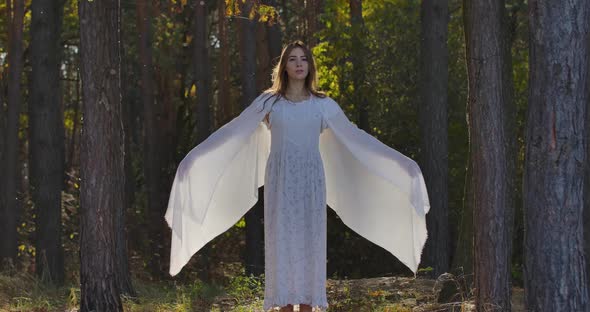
x=280, y=79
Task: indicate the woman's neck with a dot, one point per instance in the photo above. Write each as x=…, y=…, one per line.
x=296, y=89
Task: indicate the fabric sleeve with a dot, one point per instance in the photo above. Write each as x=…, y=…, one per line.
x=217, y=183
x=375, y=190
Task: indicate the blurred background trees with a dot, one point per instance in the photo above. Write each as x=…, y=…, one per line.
x=400, y=69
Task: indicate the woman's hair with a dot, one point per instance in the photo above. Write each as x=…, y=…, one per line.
x=280, y=79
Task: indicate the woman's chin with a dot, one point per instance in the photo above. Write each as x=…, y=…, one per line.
x=297, y=77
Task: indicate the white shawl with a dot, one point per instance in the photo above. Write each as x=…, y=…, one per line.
x=376, y=191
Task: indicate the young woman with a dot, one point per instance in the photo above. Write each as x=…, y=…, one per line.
x=297, y=142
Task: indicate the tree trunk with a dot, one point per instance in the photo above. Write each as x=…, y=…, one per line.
x=463, y=257
x=202, y=109
x=72, y=153
x=358, y=64
x=313, y=11
x=286, y=16
x=434, y=128
x=263, y=68
x=587, y=199
x=2, y=151
x=489, y=99
x=46, y=141
x=10, y=210
x=274, y=44
x=121, y=252
x=275, y=40
x=152, y=138
x=555, y=276
x=102, y=154
x=586, y=214
x=254, y=217
x=202, y=73
x=224, y=104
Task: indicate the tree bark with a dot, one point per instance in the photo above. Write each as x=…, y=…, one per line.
x=2, y=149
x=434, y=130
x=313, y=11
x=275, y=38
x=555, y=157
x=254, y=257
x=463, y=256
x=488, y=100
x=587, y=200
x=102, y=154
x=263, y=68
x=202, y=72
x=358, y=64
x=71, y=151
x=586, y=213
x=224, y=104
x=10, y=210
x=121, y=240
x=152, y=139
x=46, y=141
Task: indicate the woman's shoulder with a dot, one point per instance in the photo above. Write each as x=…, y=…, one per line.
x=265, y=95
x=329, y=105
x=261, y=100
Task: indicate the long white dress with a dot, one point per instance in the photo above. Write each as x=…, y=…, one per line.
x=295, y=207
x=375, y=190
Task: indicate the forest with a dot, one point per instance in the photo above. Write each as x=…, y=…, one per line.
x=100, y=100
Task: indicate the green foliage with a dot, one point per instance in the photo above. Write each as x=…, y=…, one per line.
x=243, y=287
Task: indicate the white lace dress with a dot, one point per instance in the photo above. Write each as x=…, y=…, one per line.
x=295, y=207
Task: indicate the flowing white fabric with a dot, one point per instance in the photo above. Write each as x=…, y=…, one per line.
x=376, y=191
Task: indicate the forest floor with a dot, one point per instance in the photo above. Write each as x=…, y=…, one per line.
x=22, y=292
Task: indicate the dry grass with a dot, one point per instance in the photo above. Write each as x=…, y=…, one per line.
x=23, y=292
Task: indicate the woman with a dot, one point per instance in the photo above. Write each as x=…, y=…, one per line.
x=295, y=191
x=299, y=144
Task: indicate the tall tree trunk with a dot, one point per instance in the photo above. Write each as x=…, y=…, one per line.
x=434, y=128
x=224, y=104
x=274, y=44
x=71, y=150
x=264, y=66
x=202, y=72
x=286, y=16
x=489, y=99
x=555, y=276
x=254, y=217
x=102, y=154
x=10, y=210
x=275, y=37
x=202, y=109
x=2, y=148
x=46, y=141
x=586, y=214
x=358, y=63
x=121, y=252
x=313, y=11
x=152, y=138
x=463, y=256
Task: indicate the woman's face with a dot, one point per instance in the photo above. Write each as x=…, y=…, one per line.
x=297, y=67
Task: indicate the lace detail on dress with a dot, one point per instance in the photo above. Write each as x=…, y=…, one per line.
x=295, y=209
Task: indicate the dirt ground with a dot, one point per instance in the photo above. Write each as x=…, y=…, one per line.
x=392, y=294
